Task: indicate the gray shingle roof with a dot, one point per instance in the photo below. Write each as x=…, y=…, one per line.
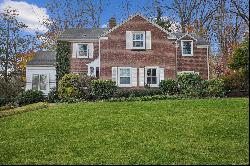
x=200, y=40
x=81, y=33
x=43, y=58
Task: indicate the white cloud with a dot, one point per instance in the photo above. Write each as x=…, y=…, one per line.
x=29, y=14
x=104, y=26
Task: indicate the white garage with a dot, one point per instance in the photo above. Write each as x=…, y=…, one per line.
x=41, y=72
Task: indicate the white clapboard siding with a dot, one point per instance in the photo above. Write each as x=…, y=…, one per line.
x=161, y=74
x=129, y=40
x=134, y=77
x=50, y=72
x=148, y=39
x=114, y=74
x=74, y=50
x=91, y=50
x=141, y=76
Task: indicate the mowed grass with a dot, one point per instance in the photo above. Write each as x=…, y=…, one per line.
x=205, y=131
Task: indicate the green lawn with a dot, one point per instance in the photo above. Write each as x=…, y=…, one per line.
x=201, y=131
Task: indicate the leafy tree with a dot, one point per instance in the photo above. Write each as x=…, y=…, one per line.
x=13, y=41
x=240, y=59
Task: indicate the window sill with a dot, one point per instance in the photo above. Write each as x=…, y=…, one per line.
x=124, y=85
x=187, y=55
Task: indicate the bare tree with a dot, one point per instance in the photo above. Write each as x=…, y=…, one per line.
x=66, y=14
x=241, y=9
x=126, y=8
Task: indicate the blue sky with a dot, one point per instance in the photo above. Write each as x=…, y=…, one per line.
x=31, y=11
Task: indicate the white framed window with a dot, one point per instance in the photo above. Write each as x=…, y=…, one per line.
x=82, y=51
x=151, y=76
x=39, y=82
x=124, y=76
x=187, y=47
x=138, y=40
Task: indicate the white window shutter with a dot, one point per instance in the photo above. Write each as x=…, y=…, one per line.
x=141, y=76
x=114, y=74
x=74, y=50
x=161, y=74
x=148, y=39
x=91, y=50
x=129, y=40
x=134, y=77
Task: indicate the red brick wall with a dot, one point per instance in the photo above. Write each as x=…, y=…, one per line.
x=114, y=52
x=79, y=65
x=197, y=62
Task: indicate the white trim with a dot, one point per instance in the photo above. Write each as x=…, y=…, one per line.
x=94, y=64
x=192, y=48
x=77, y=51
x=103, y=38
x=186, y=71
x=144, y=39
x=157, y=75
x=202, y=46
x=187, y=34
x=132, y=16
x=79, y=40
x=118, y=77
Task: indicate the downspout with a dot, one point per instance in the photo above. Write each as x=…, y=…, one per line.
x=176, y=49
x=99, y=57
x=208, y=72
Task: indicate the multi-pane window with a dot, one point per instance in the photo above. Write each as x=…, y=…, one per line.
x=83, y=50
x=187, y=48
x=39, y=82
x=125, y=76
x=138, y=40
x=151, y=76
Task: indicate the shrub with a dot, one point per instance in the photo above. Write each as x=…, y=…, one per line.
x=29, y=96
x=169, y=87
x=192, y=85
x=53, y=95
x=132, y=92
x=10, y=88
x=68, y=87
x=103, y=89
x=85, y=86
x=235, y=82
x=215, y=88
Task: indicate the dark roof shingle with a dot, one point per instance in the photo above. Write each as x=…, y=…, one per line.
x=43, y=58
x=81, y=33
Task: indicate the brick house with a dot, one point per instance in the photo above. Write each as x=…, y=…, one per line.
x=136, y=52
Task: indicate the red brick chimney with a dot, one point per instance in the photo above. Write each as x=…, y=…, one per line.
x=112, y=22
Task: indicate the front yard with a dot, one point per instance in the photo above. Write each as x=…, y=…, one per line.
x=205, y=131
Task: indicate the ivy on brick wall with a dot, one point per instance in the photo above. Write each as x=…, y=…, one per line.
x=62, y=59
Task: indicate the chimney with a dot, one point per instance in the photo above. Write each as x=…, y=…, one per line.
x=112, y=22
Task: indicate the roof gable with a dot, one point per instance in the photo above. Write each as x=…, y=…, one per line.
x=130, y=18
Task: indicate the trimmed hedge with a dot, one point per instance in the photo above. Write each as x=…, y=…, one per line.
x=215, y=88
x=29, y=97
x=132, y=92
x=192, y=85
x=169, y=87
x=103, y=89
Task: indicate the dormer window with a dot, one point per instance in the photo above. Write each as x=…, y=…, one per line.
x=83, y=51
x=187, y=47
x=138, y=40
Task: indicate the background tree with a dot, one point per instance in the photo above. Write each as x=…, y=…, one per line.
x=13, y=41
x=66, y=14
